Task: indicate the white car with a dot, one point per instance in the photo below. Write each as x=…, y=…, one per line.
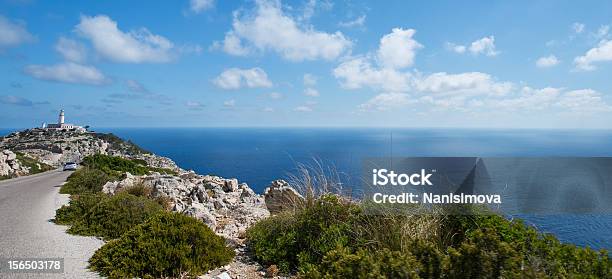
x=70, y=166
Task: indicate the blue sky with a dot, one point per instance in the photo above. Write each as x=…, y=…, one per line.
x=485, y=64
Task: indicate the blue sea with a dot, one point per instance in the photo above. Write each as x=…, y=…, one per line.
x=259, y=155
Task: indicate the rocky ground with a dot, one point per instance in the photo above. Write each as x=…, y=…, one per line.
x=227, y=206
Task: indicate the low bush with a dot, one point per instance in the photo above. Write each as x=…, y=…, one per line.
x=142, y=190
x=115, y=215
x=167, y=245
x=342, y=263
x=294, y=240
x=331, y=238
x=77, y=208
x=117, y=166
x=86, y=180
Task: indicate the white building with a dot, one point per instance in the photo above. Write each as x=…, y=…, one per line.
x=61, y=125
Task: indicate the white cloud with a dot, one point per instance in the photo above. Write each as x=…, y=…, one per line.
x=397, y=49
x=198, y=6
x=268, y=109
x=15, y=100
x=67, y=72
x=358, y=72
x=485, y=45
x=525, y=101
x=235, y=78
x=601, y=53
x=583, y=100
x=275, y=95
x=387, y=101
x=311, y=92
x=309, y=9
x=136, y=86
x=268, y=28
x=13, y=33
x=303, y=109
x=357, y=22
x=578, y=27
x=456, y=48
x=602, y=32
x=136, y=46
x=232, y=45
x=310, y=80
x=71, y=50
x=229, y=103
x=463, y=84
x=194, y=105
x=547, y=61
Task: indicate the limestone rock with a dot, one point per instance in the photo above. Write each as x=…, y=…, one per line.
x=10, y=166
x=280, y=196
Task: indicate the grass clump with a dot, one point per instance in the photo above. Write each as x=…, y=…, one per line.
x=115, y=215
x=86, y=180
x=167, y=245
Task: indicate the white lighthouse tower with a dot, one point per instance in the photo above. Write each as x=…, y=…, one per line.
x=60, y=121
x=61, y=125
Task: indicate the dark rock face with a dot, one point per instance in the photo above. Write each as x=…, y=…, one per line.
x=280, y=196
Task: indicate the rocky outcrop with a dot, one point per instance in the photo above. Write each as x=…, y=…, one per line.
x=279, y=196
x=10, y=166
x=225, y=205
x=55, y=147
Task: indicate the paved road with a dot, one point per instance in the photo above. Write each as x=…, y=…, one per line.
x=26, y=206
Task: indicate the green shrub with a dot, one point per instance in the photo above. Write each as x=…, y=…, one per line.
x=293, y=240
x=484, y=255
x=117, y=166
x=86, y=180
x=77, y=208
x=331, y=238
x=115, y=215
x=341, y=263
x=141, y=190
x=167, y=245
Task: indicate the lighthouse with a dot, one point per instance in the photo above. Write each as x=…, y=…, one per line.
x=61, y=118
x=61, y=125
